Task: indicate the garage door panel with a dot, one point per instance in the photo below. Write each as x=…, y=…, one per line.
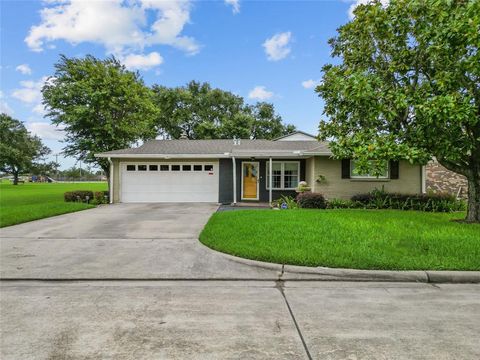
x=169, y=186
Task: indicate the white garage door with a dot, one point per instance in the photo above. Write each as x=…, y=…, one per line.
x=169, y=182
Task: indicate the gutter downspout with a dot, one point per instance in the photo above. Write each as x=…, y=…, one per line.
x=270, y=181
x=424, y=179
x=110, y=181
x=234, y=181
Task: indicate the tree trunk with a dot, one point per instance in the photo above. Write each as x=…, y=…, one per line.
x=473, y=210
x=15, y=178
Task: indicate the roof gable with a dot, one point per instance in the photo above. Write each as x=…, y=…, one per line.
x=297, y=136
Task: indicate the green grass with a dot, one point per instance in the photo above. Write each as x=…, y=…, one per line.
x=32, y=201
x=359, y=239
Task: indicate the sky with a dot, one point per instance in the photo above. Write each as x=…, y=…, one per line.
x=261, y=50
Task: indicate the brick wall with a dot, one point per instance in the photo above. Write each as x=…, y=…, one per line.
x=441, y=180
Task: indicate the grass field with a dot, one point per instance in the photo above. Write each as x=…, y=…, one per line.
x=360, y=239
x=31, y=201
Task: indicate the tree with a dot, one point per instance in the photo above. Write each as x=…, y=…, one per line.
x=100, y=105
x=408, y=87
x=19, y=150
x=200, y=112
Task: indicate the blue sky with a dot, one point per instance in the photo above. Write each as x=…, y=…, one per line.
x=262, y=50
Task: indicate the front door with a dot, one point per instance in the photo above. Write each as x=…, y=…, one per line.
x=250, y=180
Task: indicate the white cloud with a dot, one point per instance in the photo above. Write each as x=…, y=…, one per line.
x=120, y=26
x=24, y=69
x=260, y=93
x=352, y=7
x=39, y=109
x=310, y=83
x=277, y=47
x=30, y=92
x=45, y=130
x=4, y=107
x=142, y=62
x=235, y=4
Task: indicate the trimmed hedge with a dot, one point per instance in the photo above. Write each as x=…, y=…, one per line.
x=420, y=202
x=78, y=195
x=309, y=200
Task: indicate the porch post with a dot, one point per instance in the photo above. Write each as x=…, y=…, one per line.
x=270, y=181
x=234, y=180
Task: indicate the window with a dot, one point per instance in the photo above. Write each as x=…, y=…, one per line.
x=153, y=167
x=208, y=167
x=130, y=167
x=356, y=175
x=175, y=167
x=285, y=174
x=164, y=167
x=187, y=167
x=197, y=167
x=142, y=167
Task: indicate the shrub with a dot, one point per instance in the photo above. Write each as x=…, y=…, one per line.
x=78, y=195
x=303, y=186
x=288, y=201
x=421, y=202
x=309, y=200
x=343, y=204
x=100, y=197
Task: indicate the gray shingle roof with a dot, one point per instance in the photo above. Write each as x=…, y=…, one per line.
x=221, y=147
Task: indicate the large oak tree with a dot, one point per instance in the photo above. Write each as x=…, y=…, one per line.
x=100, y=105
x=20, y=151
x=407, y=86
x=199, y=111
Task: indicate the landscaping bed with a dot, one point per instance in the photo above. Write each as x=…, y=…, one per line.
x=358, y=239
x=32, y=201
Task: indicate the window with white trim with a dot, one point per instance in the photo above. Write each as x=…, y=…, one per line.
x=356, y=175
x=285, y=175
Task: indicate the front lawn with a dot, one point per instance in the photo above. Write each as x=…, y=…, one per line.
x=31, y=201
x=359, y=239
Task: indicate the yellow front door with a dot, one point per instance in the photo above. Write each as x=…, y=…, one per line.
x=250, y=180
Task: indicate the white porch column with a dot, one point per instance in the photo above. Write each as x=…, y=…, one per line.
x=270, y=181
x=234, y=180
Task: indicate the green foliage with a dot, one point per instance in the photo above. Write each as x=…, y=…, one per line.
x=289, y=202
x=100, y=105
x=19, y=150
x=428, y=202
x=78, y=196
x=407, y=87
x=343, y=204
x=200, y=112
x=309, y=200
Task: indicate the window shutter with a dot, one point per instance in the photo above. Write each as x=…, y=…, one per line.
x=394, y=169
x=345, y=168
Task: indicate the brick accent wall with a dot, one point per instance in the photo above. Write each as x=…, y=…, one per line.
x=441, y=180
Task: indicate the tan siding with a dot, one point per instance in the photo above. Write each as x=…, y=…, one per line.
x=336, y=187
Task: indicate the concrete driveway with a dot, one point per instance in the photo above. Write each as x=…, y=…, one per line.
x=131, y=281
x=121, y=241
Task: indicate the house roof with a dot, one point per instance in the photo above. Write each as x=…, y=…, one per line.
x=221, y=148
x=295, y=133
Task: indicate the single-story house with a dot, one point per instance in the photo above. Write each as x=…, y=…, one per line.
x=238, y=170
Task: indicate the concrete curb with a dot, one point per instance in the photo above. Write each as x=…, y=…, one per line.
x=292, y=272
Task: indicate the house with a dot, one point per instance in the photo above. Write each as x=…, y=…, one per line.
x=238, y=170
x=441, y=180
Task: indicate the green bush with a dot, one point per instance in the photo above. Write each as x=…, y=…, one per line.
x=422, y=202
x=309, y=200
x=100, y=197
x=289, y=202
x=343, y=204
x=78, y=196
